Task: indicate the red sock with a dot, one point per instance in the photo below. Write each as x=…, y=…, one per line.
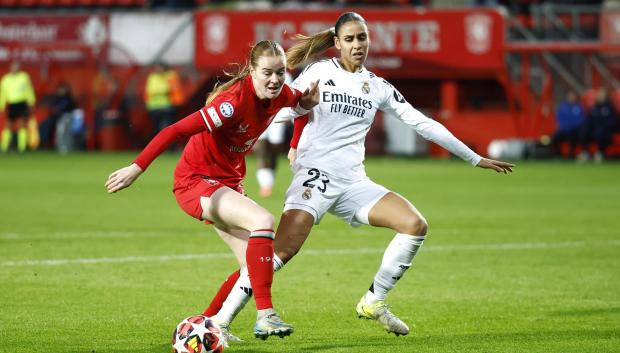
x=222, y=294
x=259, y=258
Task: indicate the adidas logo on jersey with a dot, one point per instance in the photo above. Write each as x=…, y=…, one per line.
x=330, y=83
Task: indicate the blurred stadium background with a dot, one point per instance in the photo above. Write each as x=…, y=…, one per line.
x=522, y=263
x=488, y=70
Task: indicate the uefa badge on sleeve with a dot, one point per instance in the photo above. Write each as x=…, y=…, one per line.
x=307, y=195
x=227, y=109
x=366, y=87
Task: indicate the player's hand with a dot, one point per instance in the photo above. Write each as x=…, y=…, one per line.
x=122, y=178
x=498, y=166
x=292, y=155
x=311, y=96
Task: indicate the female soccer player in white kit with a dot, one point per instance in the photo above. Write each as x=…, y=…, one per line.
x=328, y=163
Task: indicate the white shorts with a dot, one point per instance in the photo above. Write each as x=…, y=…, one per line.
x=317, y=193
x=275, y=133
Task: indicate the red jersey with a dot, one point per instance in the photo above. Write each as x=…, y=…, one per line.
x=222, y=134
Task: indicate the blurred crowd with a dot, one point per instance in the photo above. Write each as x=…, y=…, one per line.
x=57, y=120
x=588, y=127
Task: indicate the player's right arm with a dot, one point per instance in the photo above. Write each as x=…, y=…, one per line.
x=206, y=118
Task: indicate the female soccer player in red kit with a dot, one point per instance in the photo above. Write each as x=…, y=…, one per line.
x=208, y=176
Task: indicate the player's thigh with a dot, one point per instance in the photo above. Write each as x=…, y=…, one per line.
x=235, y=210
x=395, y=212
x=236, y=239
x=356, y=201
x=293, y=230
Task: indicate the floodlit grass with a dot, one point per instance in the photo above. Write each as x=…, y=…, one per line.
x=528, y=262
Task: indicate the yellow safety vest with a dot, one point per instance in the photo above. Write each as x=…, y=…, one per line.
x=16, y=88
x=157, y=91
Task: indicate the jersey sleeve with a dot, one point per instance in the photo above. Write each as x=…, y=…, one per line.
x=190, y=125
x=395, y=104
x=298, y=128
x=220, y=111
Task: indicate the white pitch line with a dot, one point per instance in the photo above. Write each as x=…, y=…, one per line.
x=310, y=252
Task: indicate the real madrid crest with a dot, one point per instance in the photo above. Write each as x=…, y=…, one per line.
x=307, y=195
x=366, y=87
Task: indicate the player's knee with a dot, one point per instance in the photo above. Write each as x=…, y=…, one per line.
x=413, y=226
x=263, y=220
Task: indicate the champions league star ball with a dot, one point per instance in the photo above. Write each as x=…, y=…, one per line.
x=197, y=334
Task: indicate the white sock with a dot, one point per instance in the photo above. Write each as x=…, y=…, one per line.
x=240, y=295
x=277, y=263
x=396, y=260
x=265, y=177
x=236, y=300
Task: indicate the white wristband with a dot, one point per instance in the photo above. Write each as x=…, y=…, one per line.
x=301, y=110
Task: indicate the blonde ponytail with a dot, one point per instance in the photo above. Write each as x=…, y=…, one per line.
x=219, y=88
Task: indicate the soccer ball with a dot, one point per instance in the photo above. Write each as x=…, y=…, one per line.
x=197, y=334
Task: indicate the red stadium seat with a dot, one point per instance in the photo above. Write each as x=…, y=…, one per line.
x=28, y=3
x=66, y=3
x=47, y=3
x=86, y=3
x=106, y=3
x=8, y=3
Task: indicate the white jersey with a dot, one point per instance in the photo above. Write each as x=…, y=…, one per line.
x=333, y=140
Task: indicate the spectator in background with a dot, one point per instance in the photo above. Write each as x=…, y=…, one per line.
x=104, y=88
x=158, y=98
x=111, y=109
x=60, y=103
x=177, y=93
x=569, y=117
x=17, y=99
x=599, y=127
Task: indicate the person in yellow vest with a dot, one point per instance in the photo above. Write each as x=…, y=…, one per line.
x=158, y=98
x=17, y=101
x=177, y=93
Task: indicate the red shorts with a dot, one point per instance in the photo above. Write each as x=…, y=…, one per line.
x=188, y=196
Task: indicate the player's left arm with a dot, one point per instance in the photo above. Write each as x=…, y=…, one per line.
x=395, y=104
x=30, y=96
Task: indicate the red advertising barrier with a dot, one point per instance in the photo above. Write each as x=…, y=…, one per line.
x=406, y=43
x=28, y=38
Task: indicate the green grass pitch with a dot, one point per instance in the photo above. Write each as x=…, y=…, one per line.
x=528, y=262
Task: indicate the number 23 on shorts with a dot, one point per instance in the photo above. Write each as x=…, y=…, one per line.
x=317, y=177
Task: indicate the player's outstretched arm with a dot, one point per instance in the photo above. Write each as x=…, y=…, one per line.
x=498, y=166
x=123, y=178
